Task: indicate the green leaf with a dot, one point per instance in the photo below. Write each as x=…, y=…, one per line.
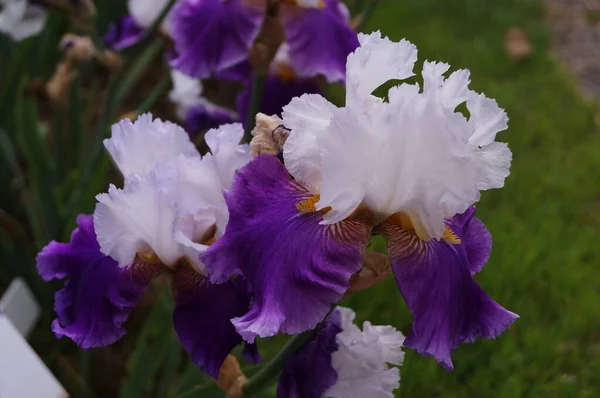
x=151, y=350
x=171, y=365
x=41, y=170
x=11, y=73
x=191, y=377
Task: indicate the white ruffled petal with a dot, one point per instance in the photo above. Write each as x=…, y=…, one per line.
x=415, y=154
x=309, y=3
x=227, y=152
x=376, y=61
x=20, y=20
x=138, y=147
x=370, y=384
x=145, y=12
x=487, y=119
x=348, y=155
x=186, y=92
x=455, y=90
x=137, y=219
x=190, y=229
x=387, y=340
x=307, y=117
x=361, y=361
x=494, y=165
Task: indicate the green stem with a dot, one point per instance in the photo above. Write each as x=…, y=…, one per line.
x=267, y=374
x=256, y=93
x=367, y=13
x=156, y=24
x=194, y=391
x=154, y=96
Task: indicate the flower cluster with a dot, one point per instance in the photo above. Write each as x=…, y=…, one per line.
x=409, y=169
x=268, y=238
x=169, y=209
x=316, y=38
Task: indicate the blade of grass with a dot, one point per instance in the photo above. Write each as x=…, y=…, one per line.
x=116, y=94
x=256, y=93
x=58, y=146
x=156, y=24
x=208, y=389
x=40, y=168
x=162, y=87
x=9, y=156
x=76, y=122
x=11, y=72
x=169, y=369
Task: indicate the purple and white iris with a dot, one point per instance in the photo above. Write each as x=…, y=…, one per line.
x=409, y=169
x=169, y=210
x=131, y=28
x=196, y=112
x=317, y=34
x=343, y=361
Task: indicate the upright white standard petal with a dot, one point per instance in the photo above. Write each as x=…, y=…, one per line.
x=172, y=205
x=361, y=361
x=194, y=186
x=136, y=220
x=307, y=116
x=227, y=152
x=377, y=60
x=138, y=147
x=20, y=20
x=415, y=154
x=162, y=214
x=145, y=12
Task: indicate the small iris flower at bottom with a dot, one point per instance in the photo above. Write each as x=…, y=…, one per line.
x=342, y=361
x=170, y=209
x=409, y=169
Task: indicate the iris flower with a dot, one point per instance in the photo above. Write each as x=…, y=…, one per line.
x=170, y=209
x=196, y=111
x=343, y=361
x=409, y=169
x=130, y=29
x=212, y=36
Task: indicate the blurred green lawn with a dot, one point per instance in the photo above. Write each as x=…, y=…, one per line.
x=545, y=221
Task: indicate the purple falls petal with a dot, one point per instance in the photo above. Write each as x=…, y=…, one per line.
x=309, y=372
x=202, y=318
x=98, y=295
x=475, y=238
x=277, y=93
x=240, y=72
x=212, y=35
x=297, y=268
x=320, y=41
x=123, y=33
x=202, y=118
x=447, y=306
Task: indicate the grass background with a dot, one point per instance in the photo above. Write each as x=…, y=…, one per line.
x=545, y=223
